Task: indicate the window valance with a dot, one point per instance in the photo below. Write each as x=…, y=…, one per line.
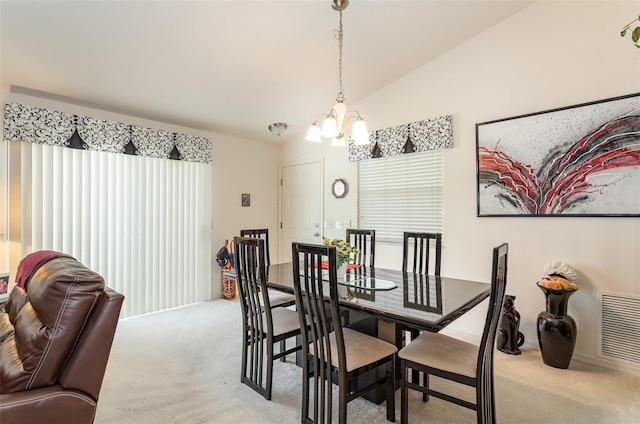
x=36, y=125
x=419, y=136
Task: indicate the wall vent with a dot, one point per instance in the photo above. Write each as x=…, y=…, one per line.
x=619, y=327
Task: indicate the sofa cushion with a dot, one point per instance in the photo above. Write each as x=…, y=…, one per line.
x=44, y=326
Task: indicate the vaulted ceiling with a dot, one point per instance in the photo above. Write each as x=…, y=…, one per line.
x=229, y=67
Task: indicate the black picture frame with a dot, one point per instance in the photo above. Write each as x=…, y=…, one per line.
x=4, y=287
x=581, y=160
x=246, y=199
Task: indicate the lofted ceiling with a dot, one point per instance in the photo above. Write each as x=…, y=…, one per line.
x=228, y=67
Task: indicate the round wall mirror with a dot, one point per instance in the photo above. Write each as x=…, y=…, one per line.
x=339, y=188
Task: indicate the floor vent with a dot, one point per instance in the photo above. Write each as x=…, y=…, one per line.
x=619, y=327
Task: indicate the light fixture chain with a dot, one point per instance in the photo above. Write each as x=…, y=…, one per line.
x=339, y=35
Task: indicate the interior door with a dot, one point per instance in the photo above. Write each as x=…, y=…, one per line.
x=300, y=206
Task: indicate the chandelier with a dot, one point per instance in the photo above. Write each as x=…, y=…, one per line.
x=338, y=120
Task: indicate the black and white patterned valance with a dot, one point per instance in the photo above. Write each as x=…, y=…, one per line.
x=36, y=125
x=419, y=136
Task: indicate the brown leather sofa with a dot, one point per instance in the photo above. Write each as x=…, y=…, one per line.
x=55, y=339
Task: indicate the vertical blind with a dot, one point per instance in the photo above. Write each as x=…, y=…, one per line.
x=401, y=193
x=143, y=223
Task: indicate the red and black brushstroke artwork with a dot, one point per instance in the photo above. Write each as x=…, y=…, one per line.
x=570, y=177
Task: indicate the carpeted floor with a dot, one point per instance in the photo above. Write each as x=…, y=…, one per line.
x=183, y=366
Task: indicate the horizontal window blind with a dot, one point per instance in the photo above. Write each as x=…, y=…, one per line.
x=142, y=223
x=401, y=193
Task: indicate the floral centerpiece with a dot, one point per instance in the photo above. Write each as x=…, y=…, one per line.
x=344, y=251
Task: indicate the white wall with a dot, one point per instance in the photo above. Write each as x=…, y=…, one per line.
x=243, y=166
x=550, y=55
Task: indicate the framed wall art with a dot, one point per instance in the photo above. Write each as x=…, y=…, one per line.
x=4, y=288
x=246, y=199
x=581, y=160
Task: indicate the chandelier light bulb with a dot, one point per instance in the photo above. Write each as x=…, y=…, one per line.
x=329, y=127
x=314, y=134
x=338, y=142
x=359, y=133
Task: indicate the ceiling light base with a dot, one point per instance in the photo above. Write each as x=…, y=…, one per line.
x=278, y=128
x=339, y=5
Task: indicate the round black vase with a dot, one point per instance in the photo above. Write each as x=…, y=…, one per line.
x=556, y=330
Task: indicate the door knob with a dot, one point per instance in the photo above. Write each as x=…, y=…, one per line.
x=316, y=234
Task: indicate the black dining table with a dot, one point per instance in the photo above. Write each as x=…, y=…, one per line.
x=423, y=302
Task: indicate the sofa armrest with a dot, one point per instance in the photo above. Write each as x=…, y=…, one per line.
x=52, y=405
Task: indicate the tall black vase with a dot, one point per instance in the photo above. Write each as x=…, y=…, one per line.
x=556, y=330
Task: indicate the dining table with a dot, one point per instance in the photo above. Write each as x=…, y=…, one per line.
x=418, y=301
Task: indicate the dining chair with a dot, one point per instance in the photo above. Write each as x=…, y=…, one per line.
x=329, y=350
x=262, y=327
x=276, y=298
x=418, y=257
x=365, y=242
x=416, y=253
x=456, y=360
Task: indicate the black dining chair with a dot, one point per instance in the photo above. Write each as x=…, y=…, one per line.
x=421, y=254
x=456, y=360
x=276, y=298
x=365, y=242
x=262, y=327
x=330, y=350
x=417, y=256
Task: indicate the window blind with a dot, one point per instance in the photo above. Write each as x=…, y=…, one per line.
x=142, y=223
x=401, y=193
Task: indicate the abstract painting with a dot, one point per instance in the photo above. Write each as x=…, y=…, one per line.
x=581, y=160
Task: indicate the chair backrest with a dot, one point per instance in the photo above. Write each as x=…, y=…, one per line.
x=313, y=286
x=365, y=242
x=251, y=280
x=484, y=371
x=416, y=253
x=262, y=234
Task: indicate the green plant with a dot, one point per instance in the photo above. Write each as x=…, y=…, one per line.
x=635, y=34
x=344, y=250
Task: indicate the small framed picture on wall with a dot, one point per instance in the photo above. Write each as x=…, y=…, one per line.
x=246, y=199
x=4, y=288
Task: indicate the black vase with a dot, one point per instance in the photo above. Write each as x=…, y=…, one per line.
x=556, y=330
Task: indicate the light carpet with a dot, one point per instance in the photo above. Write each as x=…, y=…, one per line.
x=183, y=366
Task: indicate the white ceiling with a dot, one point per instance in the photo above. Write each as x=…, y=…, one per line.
x=229, y=67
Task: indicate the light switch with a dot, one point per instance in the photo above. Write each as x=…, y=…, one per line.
x=328, y=223
x=338, y=224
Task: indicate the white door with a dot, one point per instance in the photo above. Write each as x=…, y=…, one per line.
x=300, y=206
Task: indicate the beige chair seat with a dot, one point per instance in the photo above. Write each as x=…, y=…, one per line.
x=442, y=352
x=360, y=349
x=284, y=321
x=278, y=298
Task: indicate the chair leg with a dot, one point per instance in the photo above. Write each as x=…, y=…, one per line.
x=269, y=371
x=283, y=347
x=425, y=384
x=343, y=388
x=243, y=366
x=305, y=390
x=413, y=334
x=390, y=389
x=404, y=401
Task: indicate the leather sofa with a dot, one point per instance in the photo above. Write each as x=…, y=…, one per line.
x=55, y=338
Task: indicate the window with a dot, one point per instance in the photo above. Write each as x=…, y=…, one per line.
x=401, y=193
